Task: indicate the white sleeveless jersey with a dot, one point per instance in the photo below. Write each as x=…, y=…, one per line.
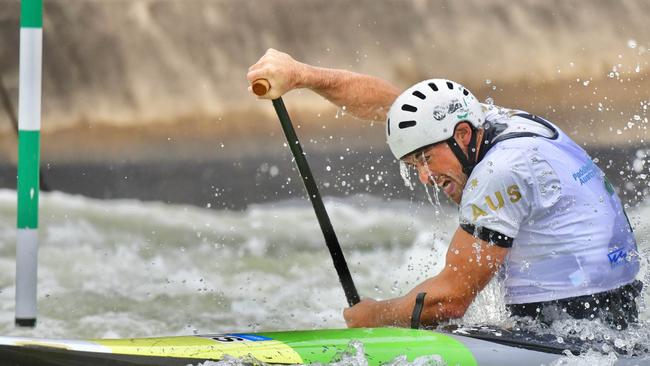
x=543, y=194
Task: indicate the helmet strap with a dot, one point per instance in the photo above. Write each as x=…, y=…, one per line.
x=468, y=162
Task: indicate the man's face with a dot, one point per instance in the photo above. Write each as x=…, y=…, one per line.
x=438, y=165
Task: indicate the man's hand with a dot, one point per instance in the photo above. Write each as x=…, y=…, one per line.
x=280, y=70
x=362, y=315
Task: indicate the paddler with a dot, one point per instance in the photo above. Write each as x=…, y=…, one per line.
x=534, y=208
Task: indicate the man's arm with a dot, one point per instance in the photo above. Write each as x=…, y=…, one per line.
x=469, y=267
x=363, y=96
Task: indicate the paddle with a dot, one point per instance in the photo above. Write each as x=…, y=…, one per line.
x=261, y=87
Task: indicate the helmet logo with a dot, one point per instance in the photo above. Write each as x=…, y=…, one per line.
x=441, y=111
x=454, y=105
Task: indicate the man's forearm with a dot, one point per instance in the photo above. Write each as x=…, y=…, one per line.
x=440, y=304
x=363, y=96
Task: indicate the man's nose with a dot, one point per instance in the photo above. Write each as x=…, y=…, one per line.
x=424, y=174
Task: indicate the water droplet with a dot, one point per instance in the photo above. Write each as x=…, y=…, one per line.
x=404, y=172
x=631, y=43
x=619, y=343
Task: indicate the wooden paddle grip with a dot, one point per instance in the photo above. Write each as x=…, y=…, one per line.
x=261, y=87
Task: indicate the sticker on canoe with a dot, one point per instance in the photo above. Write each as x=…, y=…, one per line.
x=210, y=347
x=236, y=337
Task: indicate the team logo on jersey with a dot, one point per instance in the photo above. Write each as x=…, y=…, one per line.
x=617, y=257
x=497, y=201
x=586, y=173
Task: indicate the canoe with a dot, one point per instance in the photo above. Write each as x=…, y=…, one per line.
x=453, y=345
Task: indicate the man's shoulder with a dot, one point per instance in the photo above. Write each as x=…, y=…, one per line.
x=504, y=166
x=508, y=152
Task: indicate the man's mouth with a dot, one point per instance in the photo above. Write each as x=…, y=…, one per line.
x=448, y=187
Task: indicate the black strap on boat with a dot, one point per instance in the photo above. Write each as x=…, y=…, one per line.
x=417, y=310
x=314, y=196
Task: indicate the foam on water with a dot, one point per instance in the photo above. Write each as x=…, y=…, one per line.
x=125, y=268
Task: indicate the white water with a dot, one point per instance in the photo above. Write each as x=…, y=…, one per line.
x=125, y=268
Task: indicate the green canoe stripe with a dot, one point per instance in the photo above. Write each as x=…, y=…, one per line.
x=381, y=345
x=28, y=165
x=31, y=14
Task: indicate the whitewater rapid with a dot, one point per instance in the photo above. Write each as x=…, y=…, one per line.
x=126, y=268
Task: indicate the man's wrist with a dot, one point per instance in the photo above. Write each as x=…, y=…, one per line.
x=304, y=76
x=388, y=312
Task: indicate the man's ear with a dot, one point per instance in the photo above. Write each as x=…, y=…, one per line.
x=463, y=133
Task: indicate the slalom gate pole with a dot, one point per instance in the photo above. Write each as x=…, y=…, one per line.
x=261, y=87
x=6, y=101
x=29, y=136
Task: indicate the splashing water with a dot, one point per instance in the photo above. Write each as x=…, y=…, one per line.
x=435, y=187
x=406, y=177
x=435, y=201
x=233, y=361
x=355, y=355
x=405, y=174
x=590, y=358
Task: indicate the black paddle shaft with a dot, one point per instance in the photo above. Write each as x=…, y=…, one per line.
x=314, y=196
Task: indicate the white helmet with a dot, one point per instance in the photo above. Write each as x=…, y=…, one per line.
x=427, y=113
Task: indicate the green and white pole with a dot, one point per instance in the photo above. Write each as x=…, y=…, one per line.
x=29, y=136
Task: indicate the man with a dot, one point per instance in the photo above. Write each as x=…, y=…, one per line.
x=533, y=206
